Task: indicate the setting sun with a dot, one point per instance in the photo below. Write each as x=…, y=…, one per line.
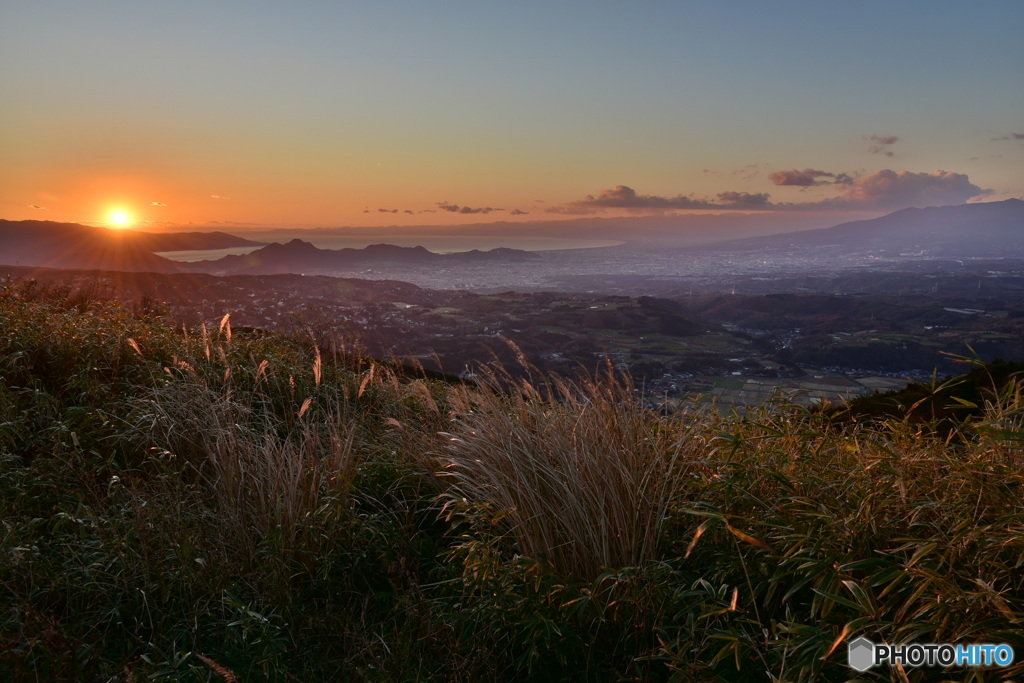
x=119, y=218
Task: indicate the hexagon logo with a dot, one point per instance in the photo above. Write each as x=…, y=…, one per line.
x=861, y=654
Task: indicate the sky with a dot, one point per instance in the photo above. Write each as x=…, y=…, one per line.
x=310, y=113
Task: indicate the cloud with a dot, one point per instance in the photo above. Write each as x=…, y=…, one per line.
x=455, y=208
x=882, y=142
x=218, y=196
x=157, y=204
x=805, y=178
x=625, y=197
x=37, y=207
x=744, y=200
x=887, y=189
x=1011, y=136
x=408, y=211
x=748, y=172
x=881, y=190
x=518, y=212
x=571, y=209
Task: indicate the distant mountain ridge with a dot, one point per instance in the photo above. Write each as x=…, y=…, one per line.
x=984, y=229
x=980, y=230
x=190, y=241
x=73, y=245
x=299, y=256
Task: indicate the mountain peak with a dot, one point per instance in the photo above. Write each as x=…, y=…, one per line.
x=981, y=229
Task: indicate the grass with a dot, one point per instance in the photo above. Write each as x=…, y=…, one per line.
x=578, y=472
x=205, y=505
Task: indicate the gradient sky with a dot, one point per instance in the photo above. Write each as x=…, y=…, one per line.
x=333, y=113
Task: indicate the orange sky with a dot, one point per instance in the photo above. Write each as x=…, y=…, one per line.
x=193, y=115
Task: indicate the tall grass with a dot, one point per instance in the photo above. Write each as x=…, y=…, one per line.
x=272, y=441
x=578, y=471
x=172, y=499
x=265, y=479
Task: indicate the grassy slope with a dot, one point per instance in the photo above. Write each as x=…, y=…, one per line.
x=187, y=506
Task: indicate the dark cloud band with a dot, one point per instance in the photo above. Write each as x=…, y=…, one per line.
x=881, y=190
x=455, y=208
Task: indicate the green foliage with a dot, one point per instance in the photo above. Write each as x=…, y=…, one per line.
x=944, y=406
x=205, y=505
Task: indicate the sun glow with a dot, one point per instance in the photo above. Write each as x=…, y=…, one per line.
x=119, y=219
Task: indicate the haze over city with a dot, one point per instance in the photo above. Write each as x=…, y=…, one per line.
x=236, y=116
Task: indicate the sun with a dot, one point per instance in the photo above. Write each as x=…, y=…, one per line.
x=119, y=219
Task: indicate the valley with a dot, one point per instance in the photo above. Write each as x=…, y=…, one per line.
x=898, y=298
x=675, y=344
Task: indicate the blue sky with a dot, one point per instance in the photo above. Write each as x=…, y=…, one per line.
x=344, y=113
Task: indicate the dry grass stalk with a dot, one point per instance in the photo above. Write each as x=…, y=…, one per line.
x=267, y=473
x=222, y=671
x=580, y=471
x=265, y=482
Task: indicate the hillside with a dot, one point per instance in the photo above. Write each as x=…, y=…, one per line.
x=444, y=329
x=187, y=241
x=215, y=504
x=667, y=343
x=298, y=256
x=71, y=245
x=981, y=230
x=856, y=334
